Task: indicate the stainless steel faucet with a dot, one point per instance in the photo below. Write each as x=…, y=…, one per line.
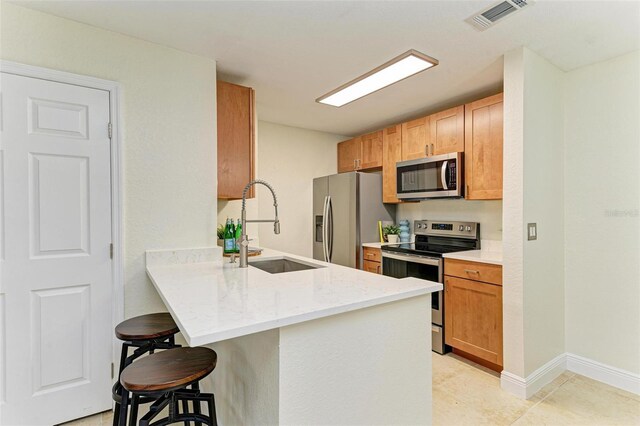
x=244, y=240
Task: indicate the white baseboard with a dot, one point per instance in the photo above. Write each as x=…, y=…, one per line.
x=612, y=376
x=546, y=374
x=513, y=384
x=525, y=388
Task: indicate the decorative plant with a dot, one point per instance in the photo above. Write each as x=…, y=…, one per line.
x=220, y=232
x=391, y=230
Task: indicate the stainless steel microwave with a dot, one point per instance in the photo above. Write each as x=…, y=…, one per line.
x=438, y=176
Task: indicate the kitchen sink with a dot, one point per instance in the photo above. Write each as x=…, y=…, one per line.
x=282, y=264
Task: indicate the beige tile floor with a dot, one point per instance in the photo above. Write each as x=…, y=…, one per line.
x=467, y=394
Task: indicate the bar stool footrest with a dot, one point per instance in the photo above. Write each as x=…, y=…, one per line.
x=116, y=394
x=172, y=399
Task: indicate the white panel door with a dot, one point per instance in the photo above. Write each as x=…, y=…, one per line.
x=55, y=223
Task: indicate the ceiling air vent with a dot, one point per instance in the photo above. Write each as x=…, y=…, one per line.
x=488, y=17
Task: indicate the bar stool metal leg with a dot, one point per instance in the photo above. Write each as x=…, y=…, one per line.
x=123, y=408
x=185, y=410
x=212, y=410
x=196, y=404
x=133, y=415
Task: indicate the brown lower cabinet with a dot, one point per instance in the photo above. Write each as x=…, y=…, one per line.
x=473, y=313
x=370, y=266
x=372, y=260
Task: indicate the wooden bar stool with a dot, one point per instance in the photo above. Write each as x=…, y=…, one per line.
x=145, y=333
x=165, y=376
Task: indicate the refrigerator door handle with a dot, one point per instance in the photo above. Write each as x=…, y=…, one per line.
x=330, y=232
x=324, y=230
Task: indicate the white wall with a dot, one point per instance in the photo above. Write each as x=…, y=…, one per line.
x=533, y=294
x=288, y=158
x=487, y=213
x=513, y=214
x=364, y=367
x=246, y=379
x=168, y=128
x=602, y=200
x=572, y=149
x=544, y=205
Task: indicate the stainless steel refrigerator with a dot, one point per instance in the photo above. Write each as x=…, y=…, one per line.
x=346, y=211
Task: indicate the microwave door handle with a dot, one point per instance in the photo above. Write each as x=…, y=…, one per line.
x=443, y=175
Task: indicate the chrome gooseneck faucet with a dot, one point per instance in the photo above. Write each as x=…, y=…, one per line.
x=244, y=240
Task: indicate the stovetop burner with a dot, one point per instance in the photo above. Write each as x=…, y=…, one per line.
x=435, y=238
x=423, y=249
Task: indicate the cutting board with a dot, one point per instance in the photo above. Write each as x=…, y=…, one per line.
x=252, y=252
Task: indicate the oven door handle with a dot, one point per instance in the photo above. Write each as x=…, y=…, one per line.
x=433, y=261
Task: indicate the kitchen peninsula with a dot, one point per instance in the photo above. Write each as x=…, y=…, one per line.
x=325, y=345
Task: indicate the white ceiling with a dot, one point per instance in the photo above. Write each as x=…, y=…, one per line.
x=294, y=52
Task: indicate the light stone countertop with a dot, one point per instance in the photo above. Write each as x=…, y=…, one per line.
x=374, y=245
x=491, y=252
x=212, y=300
x=482, y=256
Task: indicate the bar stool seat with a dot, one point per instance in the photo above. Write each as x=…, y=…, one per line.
x=166, y=376
x=169, y=370
x=147, y=327
x=145, y=334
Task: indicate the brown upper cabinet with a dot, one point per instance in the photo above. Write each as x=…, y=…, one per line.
x=371, y=151
x=416, y=138
x=475, y=129
x=236, y=134
x=447, y=131
x=360, y=153
x=349, y=154
x=483, y=148
x=391, y=154
x=439, y=133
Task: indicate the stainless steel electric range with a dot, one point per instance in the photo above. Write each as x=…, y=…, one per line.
x=423, y=259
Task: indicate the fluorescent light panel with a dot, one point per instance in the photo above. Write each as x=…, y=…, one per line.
x=399, y=68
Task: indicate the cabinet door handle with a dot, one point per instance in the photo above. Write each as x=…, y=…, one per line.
x=432, y=150
x=378, y=269
x=472, y=271
x=426, y=150
x=355, y=162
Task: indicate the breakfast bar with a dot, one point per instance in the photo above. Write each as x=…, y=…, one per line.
x=301, y=341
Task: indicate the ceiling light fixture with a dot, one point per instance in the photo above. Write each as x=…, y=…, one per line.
x=399, y=68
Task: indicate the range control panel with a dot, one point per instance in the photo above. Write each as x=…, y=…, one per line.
x=446, y=228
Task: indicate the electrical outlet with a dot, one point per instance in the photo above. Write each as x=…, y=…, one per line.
x=532, y=231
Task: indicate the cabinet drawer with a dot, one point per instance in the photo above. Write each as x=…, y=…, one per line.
x=370, y=266
x=372, y=254
x=476, y=271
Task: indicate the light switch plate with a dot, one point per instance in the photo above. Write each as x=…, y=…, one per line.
x=532, y=231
